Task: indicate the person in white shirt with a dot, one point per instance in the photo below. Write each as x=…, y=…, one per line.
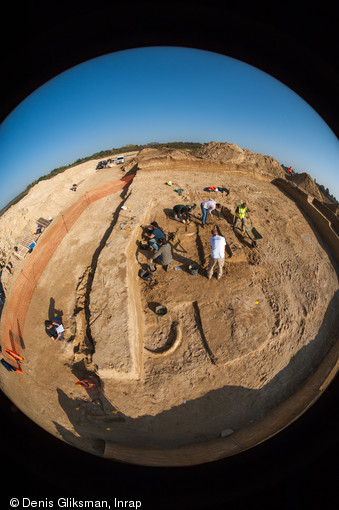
x=207, y=207
x=218, y=245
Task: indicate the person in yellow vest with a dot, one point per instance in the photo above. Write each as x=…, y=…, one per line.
x=239, y=214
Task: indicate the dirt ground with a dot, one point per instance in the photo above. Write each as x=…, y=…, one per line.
x=225, y=354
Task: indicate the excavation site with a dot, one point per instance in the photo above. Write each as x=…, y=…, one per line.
x=167, y=367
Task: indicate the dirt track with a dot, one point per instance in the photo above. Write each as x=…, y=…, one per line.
x=246, y=342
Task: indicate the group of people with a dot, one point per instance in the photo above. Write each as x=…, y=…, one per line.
x=208, y=206
x=218, y=242
x=182, y=212
x=158, y=242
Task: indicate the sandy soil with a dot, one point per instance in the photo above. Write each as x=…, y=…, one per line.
x=225, y=354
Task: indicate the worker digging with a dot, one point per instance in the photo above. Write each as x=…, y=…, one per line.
x=207, y=207
x=239, y=214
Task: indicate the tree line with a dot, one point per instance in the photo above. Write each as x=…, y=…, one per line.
x=101, y=155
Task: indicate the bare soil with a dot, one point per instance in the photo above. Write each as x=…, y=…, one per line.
x=225, y=353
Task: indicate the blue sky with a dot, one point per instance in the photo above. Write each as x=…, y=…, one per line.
x=162, y=94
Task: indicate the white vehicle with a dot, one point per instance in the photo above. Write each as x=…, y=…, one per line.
x=120, y=159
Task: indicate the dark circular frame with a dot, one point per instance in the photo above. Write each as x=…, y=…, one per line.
x=294, y=45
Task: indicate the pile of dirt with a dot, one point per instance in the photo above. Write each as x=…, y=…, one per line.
x=232, y=154
x=224, y=155
x=161, y=158
x=307, y=184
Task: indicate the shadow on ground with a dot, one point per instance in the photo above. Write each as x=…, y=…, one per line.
x=96, y=419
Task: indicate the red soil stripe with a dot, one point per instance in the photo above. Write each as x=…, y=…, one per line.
x=20, y=298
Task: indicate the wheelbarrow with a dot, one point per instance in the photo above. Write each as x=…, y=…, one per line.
x=253, y=234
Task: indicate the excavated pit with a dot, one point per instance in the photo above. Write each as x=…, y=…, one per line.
x=228, y=354
x=246, y=344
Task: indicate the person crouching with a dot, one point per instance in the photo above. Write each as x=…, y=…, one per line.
x=52, y=327
x=154, y=233
x=164, y=254
x=182, y=212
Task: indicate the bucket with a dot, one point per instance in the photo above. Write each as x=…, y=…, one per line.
x=193, y=268
x=145, y=275
x=152, y=268
x=143, y=246
x=160, y=310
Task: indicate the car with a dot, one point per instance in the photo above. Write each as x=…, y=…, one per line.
x=120, y=159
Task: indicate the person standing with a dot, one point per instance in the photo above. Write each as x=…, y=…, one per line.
x=207, y=207
x=239, y=214
x=218, y=245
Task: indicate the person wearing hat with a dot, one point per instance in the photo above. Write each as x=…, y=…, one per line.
x=239, y=214
x=218, y=245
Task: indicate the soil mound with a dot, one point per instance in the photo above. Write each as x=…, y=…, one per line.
x=164, y=152
x=234, y=155
x=163, y=156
